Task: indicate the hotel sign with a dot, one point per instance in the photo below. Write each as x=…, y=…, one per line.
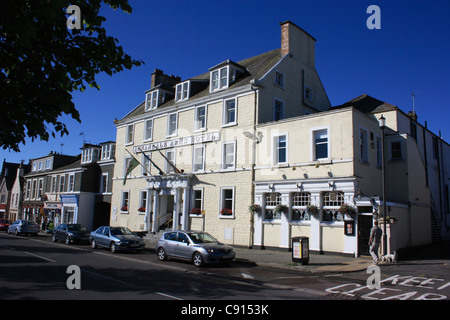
x=179, y=142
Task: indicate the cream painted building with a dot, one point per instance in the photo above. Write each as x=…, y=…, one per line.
x=206, y=126
x=261, y=133
x=331, y=159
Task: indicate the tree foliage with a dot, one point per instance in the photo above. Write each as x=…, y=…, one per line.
x=42, y=62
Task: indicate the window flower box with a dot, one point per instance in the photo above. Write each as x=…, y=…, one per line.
x=226, y=212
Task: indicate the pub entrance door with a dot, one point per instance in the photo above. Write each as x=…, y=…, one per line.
x=365, y=223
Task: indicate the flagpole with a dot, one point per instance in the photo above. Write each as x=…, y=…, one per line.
x=139, y=162
x=159, y=169
x=170, y=162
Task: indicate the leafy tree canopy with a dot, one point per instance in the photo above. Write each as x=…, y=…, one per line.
x=42, y=62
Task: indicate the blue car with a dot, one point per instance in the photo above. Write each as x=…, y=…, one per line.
x=24, y=227
x=116, y=239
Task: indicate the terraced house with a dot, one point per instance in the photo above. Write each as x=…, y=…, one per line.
x=252, y=152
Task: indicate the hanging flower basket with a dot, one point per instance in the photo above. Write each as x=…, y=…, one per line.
x=226, y=212
x=312, y=209
x=254, y=208
x=347, y=211
x=281, y=208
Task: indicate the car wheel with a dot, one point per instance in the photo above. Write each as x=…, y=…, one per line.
x=54, y=238
x=113, y=247
x=161, y=254
x=197, y=259
x=93, y=244
x=67, y=240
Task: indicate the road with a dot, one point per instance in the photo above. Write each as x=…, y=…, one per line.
x=36, y=268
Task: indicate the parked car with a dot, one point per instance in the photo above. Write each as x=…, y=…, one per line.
x=71, y=232
x=24, y=227
x=116, y=239
x=4, y=224
x=196, y=246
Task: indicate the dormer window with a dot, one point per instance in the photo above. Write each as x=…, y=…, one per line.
x=108, y=151
x=151, y=100
x=182, y=91
x=224, y=74
x=219, y=79
x=90, y=154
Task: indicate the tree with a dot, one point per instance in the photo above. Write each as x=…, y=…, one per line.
x=42, y=62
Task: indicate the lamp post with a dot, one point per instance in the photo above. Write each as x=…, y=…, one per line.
x=382, y=123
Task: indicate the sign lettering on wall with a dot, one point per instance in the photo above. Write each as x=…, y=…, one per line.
x=178, y=142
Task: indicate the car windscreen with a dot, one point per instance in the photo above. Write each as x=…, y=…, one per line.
x=28, y=222
x=120, y=231
x=76, y=227
x=202, y=237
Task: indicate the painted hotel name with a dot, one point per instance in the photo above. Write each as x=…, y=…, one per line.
x=179, y=142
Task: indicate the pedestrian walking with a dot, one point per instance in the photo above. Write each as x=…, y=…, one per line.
x=375, y=241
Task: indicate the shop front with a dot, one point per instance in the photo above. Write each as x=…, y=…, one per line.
x=69, y=209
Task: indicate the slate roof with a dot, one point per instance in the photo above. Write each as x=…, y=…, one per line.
x=256, y=67
x=368, y=104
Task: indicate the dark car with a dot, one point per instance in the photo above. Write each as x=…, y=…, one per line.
x=4, y=224
x=196, y=246
x=24, y=227
x=70, y=233
x=116, y=239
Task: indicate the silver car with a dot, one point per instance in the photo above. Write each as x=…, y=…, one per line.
x=196, y=246
x=24, y=227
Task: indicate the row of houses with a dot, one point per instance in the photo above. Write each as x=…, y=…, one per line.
x=253, y=152
x=61, y=188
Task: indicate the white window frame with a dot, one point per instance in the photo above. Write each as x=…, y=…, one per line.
x=167, y=167
x=62, y=183
x=129, y=137
x=71, y=183
x=402, y=156
x=194, y=190
x=224, y=155
x=194, y=157
x=28, y=190
x=173, y=133
x=148, y=136
x=182, y=91
x=53, y=183
x=151, y=100
x=363, y=147
x=122, y=201
x=313, y=132
x=220, y=72
x=197, y=122
x=146, y=163
x=281, y=102
x=276, y=147
x=48, y=164
x=225, y=118
x=143, y=200
x=40, y=187
x=222, y=202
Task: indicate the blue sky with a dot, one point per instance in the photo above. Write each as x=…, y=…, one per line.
x=411, y=51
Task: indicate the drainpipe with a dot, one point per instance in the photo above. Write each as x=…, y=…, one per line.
x=255, y=87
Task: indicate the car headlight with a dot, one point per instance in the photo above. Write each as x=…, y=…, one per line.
x=209, y=250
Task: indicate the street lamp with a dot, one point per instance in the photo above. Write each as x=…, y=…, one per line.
x=382, y=123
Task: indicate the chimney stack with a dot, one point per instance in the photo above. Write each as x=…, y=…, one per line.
x=158, y=77
x=297, y=42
